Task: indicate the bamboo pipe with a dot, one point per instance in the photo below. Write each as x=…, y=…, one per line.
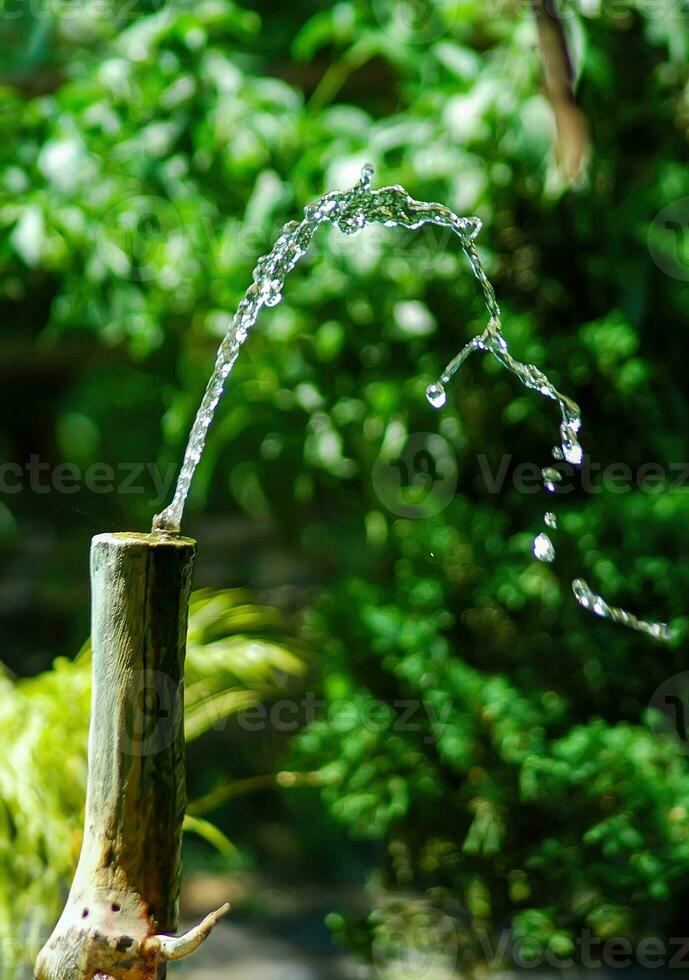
x=126, y=888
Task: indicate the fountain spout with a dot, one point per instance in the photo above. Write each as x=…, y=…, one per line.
x=126, y=888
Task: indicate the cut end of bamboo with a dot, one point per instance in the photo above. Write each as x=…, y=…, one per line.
x=139, y=539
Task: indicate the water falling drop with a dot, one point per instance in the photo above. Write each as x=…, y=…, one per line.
x=551, y=477
x=493, y=341
x=550, y=519
x=590, y=600
x=571, y=450
x=366, y=176
x=543, y=547
x=436, y=395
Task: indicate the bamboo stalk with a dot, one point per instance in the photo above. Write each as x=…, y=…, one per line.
x=126, y=888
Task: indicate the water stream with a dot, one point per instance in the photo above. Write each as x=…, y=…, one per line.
x=351, y=211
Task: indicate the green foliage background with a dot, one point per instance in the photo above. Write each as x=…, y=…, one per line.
x=148, y=157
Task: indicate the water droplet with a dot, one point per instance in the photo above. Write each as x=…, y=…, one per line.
x=582, y=593
x=543, y=547
x=557, y=453
x=551, y=477
x=436, y=395
x=571, y=450
x=550, y=519
x=367, y=172
x=573, y=454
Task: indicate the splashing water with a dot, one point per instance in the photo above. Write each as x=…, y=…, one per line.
x=493, y=341
x=543, y=547
x=551, y=477
x=436, y=395
x=569, y=450
x=351, y=211
x=589, y=599
x=530, y=376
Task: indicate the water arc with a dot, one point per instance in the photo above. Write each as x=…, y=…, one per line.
x=392, y=206
x=350, y=211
